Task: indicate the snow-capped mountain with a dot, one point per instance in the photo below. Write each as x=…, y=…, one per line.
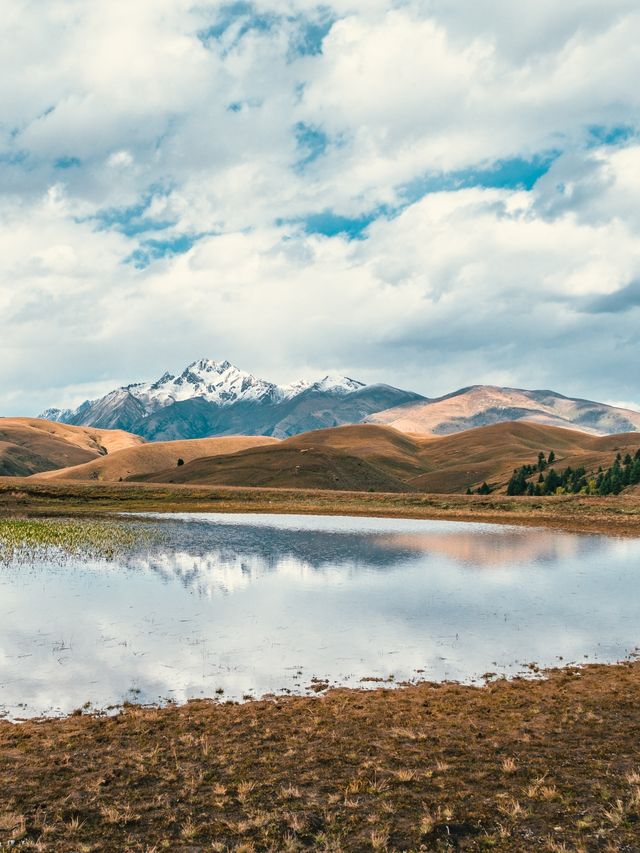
x=218, y=398
x=223, y=383
x=217, y=382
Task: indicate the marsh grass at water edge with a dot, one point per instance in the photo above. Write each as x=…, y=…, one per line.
x=29, y=539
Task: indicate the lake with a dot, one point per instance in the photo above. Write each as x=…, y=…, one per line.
x=232, y=606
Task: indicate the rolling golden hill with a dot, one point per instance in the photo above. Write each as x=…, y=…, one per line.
x=489, y=454
x=285, y=467
x=30, y=445
x=369, y=457
x=143, y=458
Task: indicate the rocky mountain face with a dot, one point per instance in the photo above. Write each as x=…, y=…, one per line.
x=217, y=398
x=483, y=405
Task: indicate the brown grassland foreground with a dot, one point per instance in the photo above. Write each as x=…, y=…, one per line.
x=518, y=765
x=550, y=764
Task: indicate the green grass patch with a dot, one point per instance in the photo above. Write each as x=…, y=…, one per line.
x=28, y=539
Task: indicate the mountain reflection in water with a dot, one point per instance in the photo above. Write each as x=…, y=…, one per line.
x=252, y=604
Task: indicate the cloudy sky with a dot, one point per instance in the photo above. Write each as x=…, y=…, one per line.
x=423, y=192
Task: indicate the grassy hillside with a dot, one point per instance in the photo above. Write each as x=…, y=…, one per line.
x=489, y=454
x=352, y=458
x=286, y=467
x=30, y=445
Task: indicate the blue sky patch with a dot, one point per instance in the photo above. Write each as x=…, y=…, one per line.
x=132, y=220
x=312, y=32
x=312, y=143
x=67, y=162
x=243, y=16
x=609, y=135
x=330, y=224
x=152, y=250
x=516, y=173
x=309, y=31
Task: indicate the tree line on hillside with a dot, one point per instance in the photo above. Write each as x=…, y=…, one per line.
x=624, y=472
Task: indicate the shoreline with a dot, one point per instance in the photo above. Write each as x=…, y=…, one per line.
x=320, y=688
x=616, y=516
x=510, y=766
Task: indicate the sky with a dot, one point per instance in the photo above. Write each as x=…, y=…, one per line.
x=420, y=192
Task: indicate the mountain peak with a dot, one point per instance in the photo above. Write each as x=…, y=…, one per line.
x=208, y=365
x=337, y=384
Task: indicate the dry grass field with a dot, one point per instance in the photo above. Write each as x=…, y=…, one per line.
x=516, y=766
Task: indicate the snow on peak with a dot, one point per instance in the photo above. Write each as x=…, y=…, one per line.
x=338, y=384
x=206, y=365
x=53, y=414
x=223, y=383
x=217, y=382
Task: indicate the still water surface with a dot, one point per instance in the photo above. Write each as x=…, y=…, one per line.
x=249, y=604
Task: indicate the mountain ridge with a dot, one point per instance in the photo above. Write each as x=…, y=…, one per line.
x=482, y=405
x=217, y=398
x=217, y=382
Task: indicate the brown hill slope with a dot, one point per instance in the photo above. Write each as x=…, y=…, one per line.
x=285, y=467
x=30, y=445
x=360, y=458
x=156, y=456
x=388, y=449
x=455, y=462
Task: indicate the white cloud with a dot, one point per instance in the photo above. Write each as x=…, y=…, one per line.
x=125, y=128
x=120, y=159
